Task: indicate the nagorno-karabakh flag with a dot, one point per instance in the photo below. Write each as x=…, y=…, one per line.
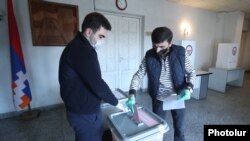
x=20, y=85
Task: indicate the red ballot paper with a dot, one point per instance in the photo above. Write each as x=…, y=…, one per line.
x=142, y=116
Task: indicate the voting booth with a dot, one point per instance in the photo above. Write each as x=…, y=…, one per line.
x=227, y=55
x=202, y=77
x=190, y=47
x=226, y=71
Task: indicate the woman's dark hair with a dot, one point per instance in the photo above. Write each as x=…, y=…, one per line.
x=95, y=21
x=161, y=34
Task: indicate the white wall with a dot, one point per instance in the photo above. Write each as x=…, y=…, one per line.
x=42, y=62
x=244, y=59
x=228, y=30
x=246, y=53
x=5, y=73
x=163, y=13
x=236, y=20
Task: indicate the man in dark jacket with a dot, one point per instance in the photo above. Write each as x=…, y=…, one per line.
x=81, y=85
x=169, y=72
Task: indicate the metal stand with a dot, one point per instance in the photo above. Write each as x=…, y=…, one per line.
x=30, y=114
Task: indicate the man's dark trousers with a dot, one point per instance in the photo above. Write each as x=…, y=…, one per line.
x=87, y=127
x=177, y=116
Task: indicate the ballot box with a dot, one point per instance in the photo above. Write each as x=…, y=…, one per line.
x=108, y=109
x=147, y=127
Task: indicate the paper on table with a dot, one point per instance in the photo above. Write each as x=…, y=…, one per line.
x=171, y=102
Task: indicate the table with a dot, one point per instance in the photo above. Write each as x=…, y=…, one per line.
x=222, y=77
x=201, y=84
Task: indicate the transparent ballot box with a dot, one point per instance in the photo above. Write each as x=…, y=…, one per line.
x=108, y=109
x=143, y=125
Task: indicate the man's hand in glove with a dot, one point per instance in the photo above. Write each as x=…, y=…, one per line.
x=131, y=103
x=185, y=94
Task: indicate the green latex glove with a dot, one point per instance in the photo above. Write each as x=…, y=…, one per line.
x=131, y=103
x=184, y=95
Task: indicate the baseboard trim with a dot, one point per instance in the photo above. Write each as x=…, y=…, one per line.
x=18, y=113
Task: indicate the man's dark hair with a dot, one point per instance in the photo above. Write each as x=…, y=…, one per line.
x=161, y=34
x=95, y=21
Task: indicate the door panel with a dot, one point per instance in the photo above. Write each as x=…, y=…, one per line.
x=119, y=59
x=107, y=55
x=129, y=50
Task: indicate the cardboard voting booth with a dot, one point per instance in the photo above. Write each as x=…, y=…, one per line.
x=190, y=47
x=227, y=55
x=124, y=127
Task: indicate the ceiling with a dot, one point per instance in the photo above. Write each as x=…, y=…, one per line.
x=219, y=5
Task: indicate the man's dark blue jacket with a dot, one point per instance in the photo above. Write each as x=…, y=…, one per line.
x=81, y=85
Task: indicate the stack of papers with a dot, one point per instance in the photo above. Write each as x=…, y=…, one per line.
x=171, y=102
